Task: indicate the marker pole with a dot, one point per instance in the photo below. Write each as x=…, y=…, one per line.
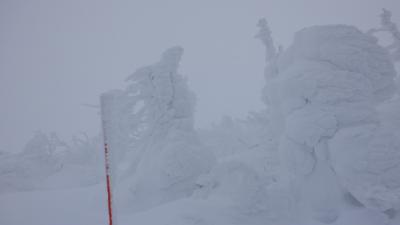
x=107, y=160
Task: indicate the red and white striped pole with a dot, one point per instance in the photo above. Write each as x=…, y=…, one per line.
x=107, y=159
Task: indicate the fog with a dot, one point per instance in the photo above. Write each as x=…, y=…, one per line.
x=57, y=56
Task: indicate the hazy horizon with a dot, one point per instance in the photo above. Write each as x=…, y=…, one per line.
x=59, y=55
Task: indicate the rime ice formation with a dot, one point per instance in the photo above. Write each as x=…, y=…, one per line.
x=173, y=157
x=387, y=25
x=330, y=83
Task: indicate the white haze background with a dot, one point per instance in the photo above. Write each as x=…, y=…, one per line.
x=58, y=55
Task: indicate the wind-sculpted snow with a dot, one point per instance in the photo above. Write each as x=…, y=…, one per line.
x=173, y=157
x=330, y=83
x=367, y=159
x=345, y=48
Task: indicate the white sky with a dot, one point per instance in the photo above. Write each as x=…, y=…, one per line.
x=56, y=55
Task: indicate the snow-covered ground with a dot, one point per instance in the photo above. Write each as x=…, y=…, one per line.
x=78, y=206
x=87, y=206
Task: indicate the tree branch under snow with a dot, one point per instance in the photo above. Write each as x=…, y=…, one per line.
x=271, y=54
x=387, y=25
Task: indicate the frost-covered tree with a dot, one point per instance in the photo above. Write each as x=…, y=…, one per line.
x=45, y=152
x=41, y=157
x=330, y=82
x=387, y=25
x=245, y=174
x=48, y=162
x=271, y=54
x=271, y=72
x=173, y=157
x=163, y=94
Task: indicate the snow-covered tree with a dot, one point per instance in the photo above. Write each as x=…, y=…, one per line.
x=48, y=162
x=271, y=72
x=271, y=54
x=173, y=156
x=45, y=152
x=43, y=144
x=41, y=157
x=330, y=82
x=387, y=25
x=245, y=176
